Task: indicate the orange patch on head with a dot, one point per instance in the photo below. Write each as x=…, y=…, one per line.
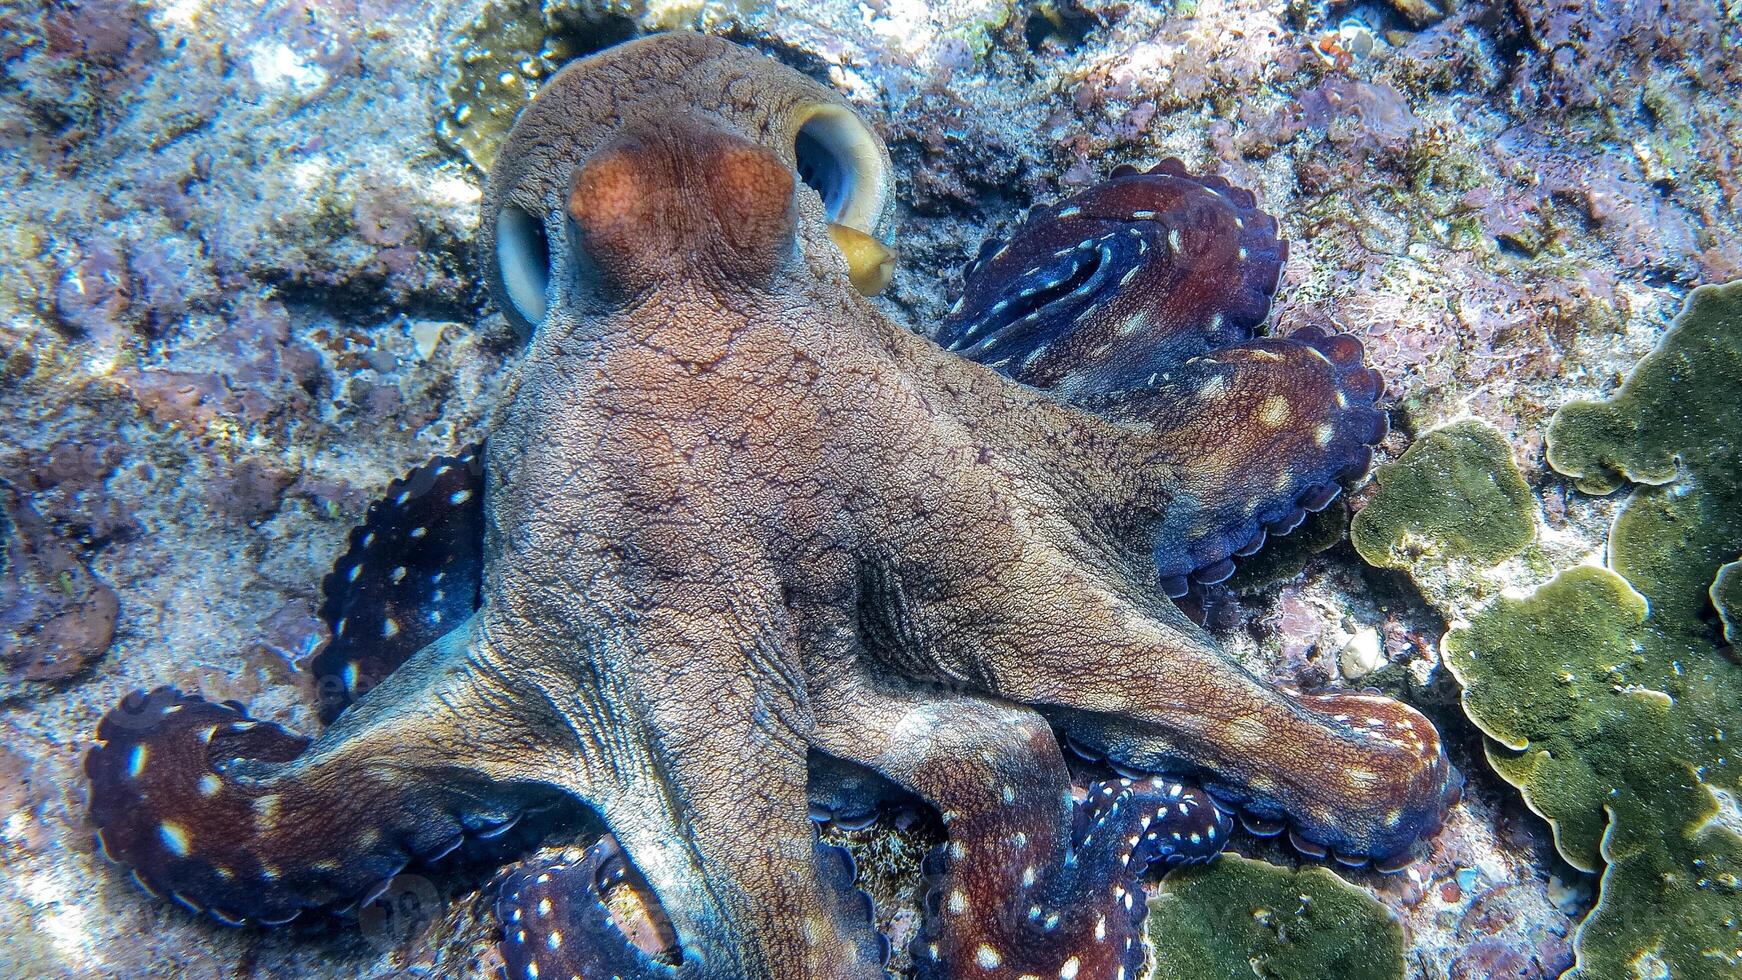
x=754, y=195
x=683, y=197
x=607, y=192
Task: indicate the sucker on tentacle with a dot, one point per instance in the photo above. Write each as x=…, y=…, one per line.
x=1084, y=918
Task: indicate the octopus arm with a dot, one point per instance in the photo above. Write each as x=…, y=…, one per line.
x=1029, y=883
x=1259, y=434
x=1111, y=289
x=411, y=573
x=251, y=823
x=1359, y=774
x=1137, y=300
x=593, y=915
x=569, y=915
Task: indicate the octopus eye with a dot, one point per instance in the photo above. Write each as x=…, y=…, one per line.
x=522, y=264
x=839, y=158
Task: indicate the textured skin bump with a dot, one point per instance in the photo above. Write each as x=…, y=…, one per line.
x=736, y=518
x=410, y=574
x=1108, y=289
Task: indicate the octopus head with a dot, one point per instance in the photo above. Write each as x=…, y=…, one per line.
x=679, y=155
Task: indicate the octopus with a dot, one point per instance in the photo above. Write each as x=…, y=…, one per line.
x=742, y=554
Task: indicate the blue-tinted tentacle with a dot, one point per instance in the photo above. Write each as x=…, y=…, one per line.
x=1261, y=433
x=1029, y=883
x=411, y=573
x=1096, y=294
x=558, y=920
x=1082, y=916
x=591, y=914
x=249, y=822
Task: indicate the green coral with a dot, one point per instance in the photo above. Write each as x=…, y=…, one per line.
x=1454, y=496
x=1242, y=918
x=1605, y=689
x=1674, y=426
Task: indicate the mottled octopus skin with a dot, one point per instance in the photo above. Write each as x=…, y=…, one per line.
x=735, y=520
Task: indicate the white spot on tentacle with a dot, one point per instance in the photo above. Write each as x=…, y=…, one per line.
x=174, y=837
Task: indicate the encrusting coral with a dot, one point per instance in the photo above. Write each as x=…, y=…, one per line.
x=1445, y=500
x=501, y=59
x=1605, y=693
x=1239, y=917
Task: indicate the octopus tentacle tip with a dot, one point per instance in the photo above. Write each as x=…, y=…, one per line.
x=167, y=805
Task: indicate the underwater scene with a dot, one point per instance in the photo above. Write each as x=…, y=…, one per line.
x=856, y=489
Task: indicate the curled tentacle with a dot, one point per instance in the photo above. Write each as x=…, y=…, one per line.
x=1103, y=291
x=1401, y=809
x=1262, y=433
x=180, y=794
x=158, y=796
x=591, y=914
x=563, y=917
x=250, y=822
x=1138, y=299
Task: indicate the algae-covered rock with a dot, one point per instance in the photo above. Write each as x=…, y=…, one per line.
x=1243, y=918
x=505, y=55
x=1612, y=705
x=1285, y=557
x=1454, y=496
